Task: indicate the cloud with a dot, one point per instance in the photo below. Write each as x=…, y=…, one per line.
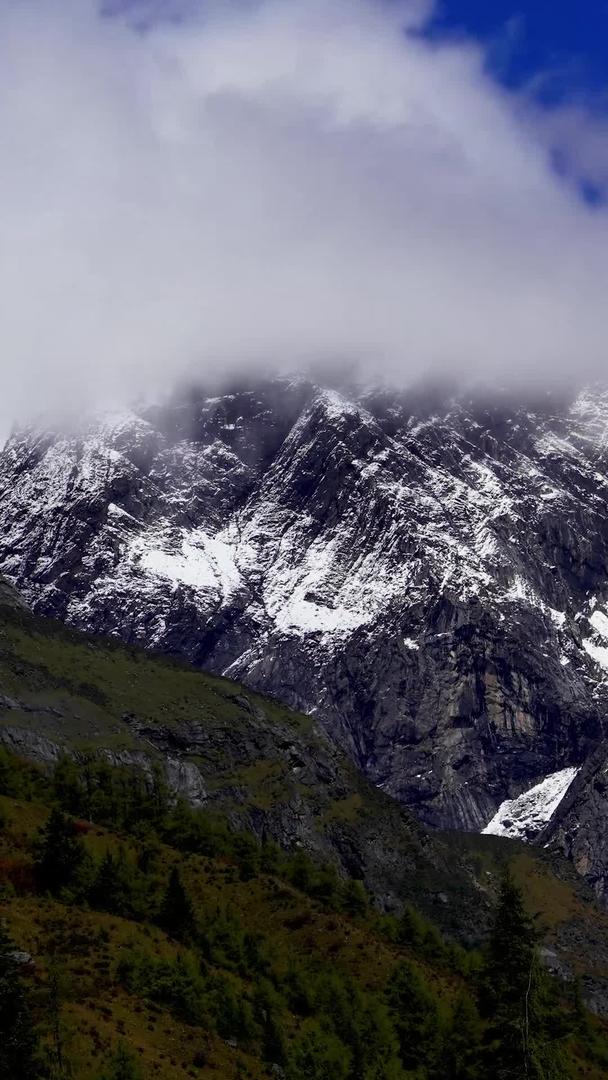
x=204, y=186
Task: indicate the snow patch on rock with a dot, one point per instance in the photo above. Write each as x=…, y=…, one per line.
x=526, y=815
x=599, y=653
x=196, y=559
x=599, y=622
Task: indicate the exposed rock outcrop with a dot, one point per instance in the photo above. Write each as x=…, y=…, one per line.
x=427, y=577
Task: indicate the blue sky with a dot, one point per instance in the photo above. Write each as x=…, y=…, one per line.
x=556, y=51
x=564, y=42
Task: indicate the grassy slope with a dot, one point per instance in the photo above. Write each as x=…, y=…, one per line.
x=88, y=945
x=574, y=928
x=268, y=768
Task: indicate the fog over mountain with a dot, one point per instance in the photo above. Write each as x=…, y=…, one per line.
x=200, y=187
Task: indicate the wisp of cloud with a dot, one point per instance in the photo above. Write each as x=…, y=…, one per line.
x=196, y=188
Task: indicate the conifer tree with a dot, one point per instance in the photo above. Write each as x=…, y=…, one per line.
x=176, y=912
x=516, y=996
x=268, y=1005
x=60, y=854
x=461, y=1055
x=113, y=888
x=411, y=929
x=415, y=1018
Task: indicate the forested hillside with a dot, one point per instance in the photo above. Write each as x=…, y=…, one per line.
x=143, y=939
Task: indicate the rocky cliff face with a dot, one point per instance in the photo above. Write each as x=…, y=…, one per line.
x=427, y=577
x=579, y=827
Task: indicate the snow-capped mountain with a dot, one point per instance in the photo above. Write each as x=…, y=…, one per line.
x=428, y=576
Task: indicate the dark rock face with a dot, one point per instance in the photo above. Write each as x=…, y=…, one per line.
x=579, y=828
x=427, y=577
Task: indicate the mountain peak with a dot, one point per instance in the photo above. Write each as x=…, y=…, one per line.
x=303, y=540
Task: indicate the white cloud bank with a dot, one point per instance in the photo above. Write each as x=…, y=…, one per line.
x=279, y=181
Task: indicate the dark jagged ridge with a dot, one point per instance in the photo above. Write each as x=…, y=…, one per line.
x=424, y=574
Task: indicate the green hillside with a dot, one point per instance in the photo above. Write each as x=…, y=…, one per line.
x=163, y=945
x=195, y=882
x=262, y=766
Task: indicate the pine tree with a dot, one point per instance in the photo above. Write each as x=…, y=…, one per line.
x=113, y=888
x=268, y=1007
x=411, y=927
x=355, y=899
x=60, y=854
x=362, y=1022
x=176, y=912
x=415, y=1018
x=516, y=996
x=18, y=1040
x=461, y=1054
x=148, y=851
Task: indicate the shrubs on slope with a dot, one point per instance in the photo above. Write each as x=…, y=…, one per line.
x=302, y=1003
